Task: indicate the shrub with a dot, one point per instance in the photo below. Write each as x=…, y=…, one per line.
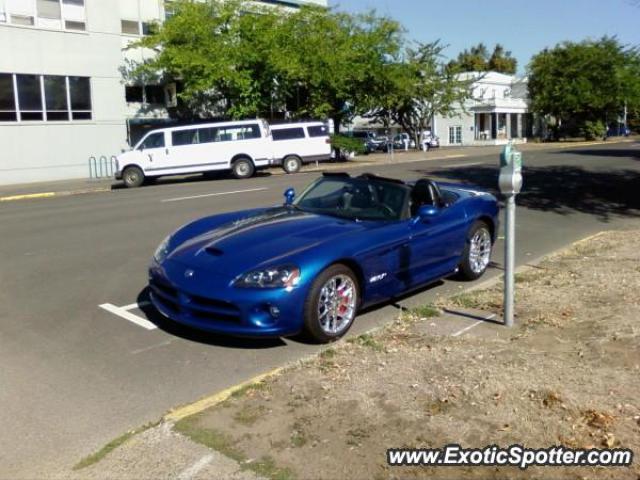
x=594, y=130
x=347, y=144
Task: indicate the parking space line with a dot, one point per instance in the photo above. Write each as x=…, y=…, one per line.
x=195, y=468
x=473, y=325
x=122, y=313
x=166, y=200
x=456, y=165
x=133, y=306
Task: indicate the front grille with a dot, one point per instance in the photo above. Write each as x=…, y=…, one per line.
x=199, y=307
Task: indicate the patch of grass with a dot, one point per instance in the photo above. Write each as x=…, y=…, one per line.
x=466, y=300
x=211, y=438
x=437, y=407
x=248, y=415
x=426, y=311
x=216, y=440
x=328, y=353
x=111, y=446
x=529, y=276
x=298, y=439
x=266, y=467
x=367, y=340
x=245, y=390
x=356, y=436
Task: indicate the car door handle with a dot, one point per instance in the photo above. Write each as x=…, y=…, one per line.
x=166, y=150
x=150, y=157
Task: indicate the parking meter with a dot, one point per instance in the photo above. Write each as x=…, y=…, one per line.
x=510, y=184
x=510, y=179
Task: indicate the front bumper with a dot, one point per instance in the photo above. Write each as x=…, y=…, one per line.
x=118, y=175
x=206, y=301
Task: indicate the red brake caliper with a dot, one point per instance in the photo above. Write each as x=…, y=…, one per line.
x=344, y=301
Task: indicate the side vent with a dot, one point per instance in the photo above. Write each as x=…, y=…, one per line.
x=214, y=251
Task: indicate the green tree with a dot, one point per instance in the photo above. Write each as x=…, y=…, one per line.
x=478, y=59
x=238, y=59
x=419, y=86
x=334, y=59
x=583, y=82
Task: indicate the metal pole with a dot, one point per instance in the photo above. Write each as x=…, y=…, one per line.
x=509, y=259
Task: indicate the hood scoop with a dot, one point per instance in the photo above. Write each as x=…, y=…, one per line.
x=216, y=252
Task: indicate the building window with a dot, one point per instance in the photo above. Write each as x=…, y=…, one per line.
x=52, y=14
x=55, y=94
x=133, y=94
x=8, y=111
x=27, y=97
x=455, y=135
x=130, y=27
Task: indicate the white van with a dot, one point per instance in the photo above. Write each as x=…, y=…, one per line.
x=240, y=146
x=298, y=143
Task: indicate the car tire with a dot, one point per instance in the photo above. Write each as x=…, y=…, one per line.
x=292, y=164
x=133, y=177
x=242, y=168
x=477, y=251
x=321, y=304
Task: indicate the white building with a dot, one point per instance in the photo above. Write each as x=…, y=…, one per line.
x=62, y=93
x=497, y=113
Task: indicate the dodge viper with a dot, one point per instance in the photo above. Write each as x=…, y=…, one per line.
x=311, y=264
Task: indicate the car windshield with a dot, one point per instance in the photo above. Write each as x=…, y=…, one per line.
x=361, y=198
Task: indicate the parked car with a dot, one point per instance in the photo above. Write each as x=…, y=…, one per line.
x=310, y=265
x=398, y=142
x=297, y=143
x=429, y=141
x=369, y=139
x=240, y=146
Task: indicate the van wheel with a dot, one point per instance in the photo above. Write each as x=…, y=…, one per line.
x=243, y=168
x=292, y=164
x=133, y=177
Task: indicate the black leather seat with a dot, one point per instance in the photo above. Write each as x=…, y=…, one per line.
x=424, y=192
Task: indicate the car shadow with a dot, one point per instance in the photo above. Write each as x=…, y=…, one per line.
x=198, y=336
x=196, y=178
x=561, y=189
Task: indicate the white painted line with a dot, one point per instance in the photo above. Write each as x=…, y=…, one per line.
x=133, y=306
x=141, y=322
x=460, y=155
x=193, y=470
x=456, y=165
x=151, y=347
x=213, y=194
x=473, y=325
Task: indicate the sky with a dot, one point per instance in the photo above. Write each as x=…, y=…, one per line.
x=523, y=26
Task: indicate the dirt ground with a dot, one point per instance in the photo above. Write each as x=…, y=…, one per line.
x=568, y=374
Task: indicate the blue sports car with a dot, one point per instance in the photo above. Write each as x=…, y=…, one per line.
x=309, y=265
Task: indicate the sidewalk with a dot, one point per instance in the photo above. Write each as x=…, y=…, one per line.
x=83, y=185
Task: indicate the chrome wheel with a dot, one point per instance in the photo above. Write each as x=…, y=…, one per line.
x=292, y=165
x=242, y=169
x=337, y=304
x=480, y=250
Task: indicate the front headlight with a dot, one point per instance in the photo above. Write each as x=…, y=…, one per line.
x=277, y=277
x=162, y=251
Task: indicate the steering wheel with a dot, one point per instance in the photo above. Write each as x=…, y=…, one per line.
x=386, y=209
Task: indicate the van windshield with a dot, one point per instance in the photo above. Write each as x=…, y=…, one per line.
x=154, y=140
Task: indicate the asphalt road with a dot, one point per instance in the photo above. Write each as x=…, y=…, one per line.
x=73, y=375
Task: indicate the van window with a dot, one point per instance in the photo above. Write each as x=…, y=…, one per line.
x=184, y=137
x=318, y=131
x=155, y=140
x=234, y=132
x=207, y=135
x=287, y=133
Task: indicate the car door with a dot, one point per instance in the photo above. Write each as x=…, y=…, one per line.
x=154, y=152
x=435, y=244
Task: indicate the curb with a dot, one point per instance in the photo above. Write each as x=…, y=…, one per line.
x=67, y=193
x=218, y=397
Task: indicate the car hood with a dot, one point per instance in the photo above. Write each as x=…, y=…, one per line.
x=260, y=239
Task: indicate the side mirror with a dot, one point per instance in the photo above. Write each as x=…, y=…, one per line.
x=426, y=213
x=289, y=195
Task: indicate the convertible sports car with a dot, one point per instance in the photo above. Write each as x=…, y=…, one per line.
x=309, y=265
